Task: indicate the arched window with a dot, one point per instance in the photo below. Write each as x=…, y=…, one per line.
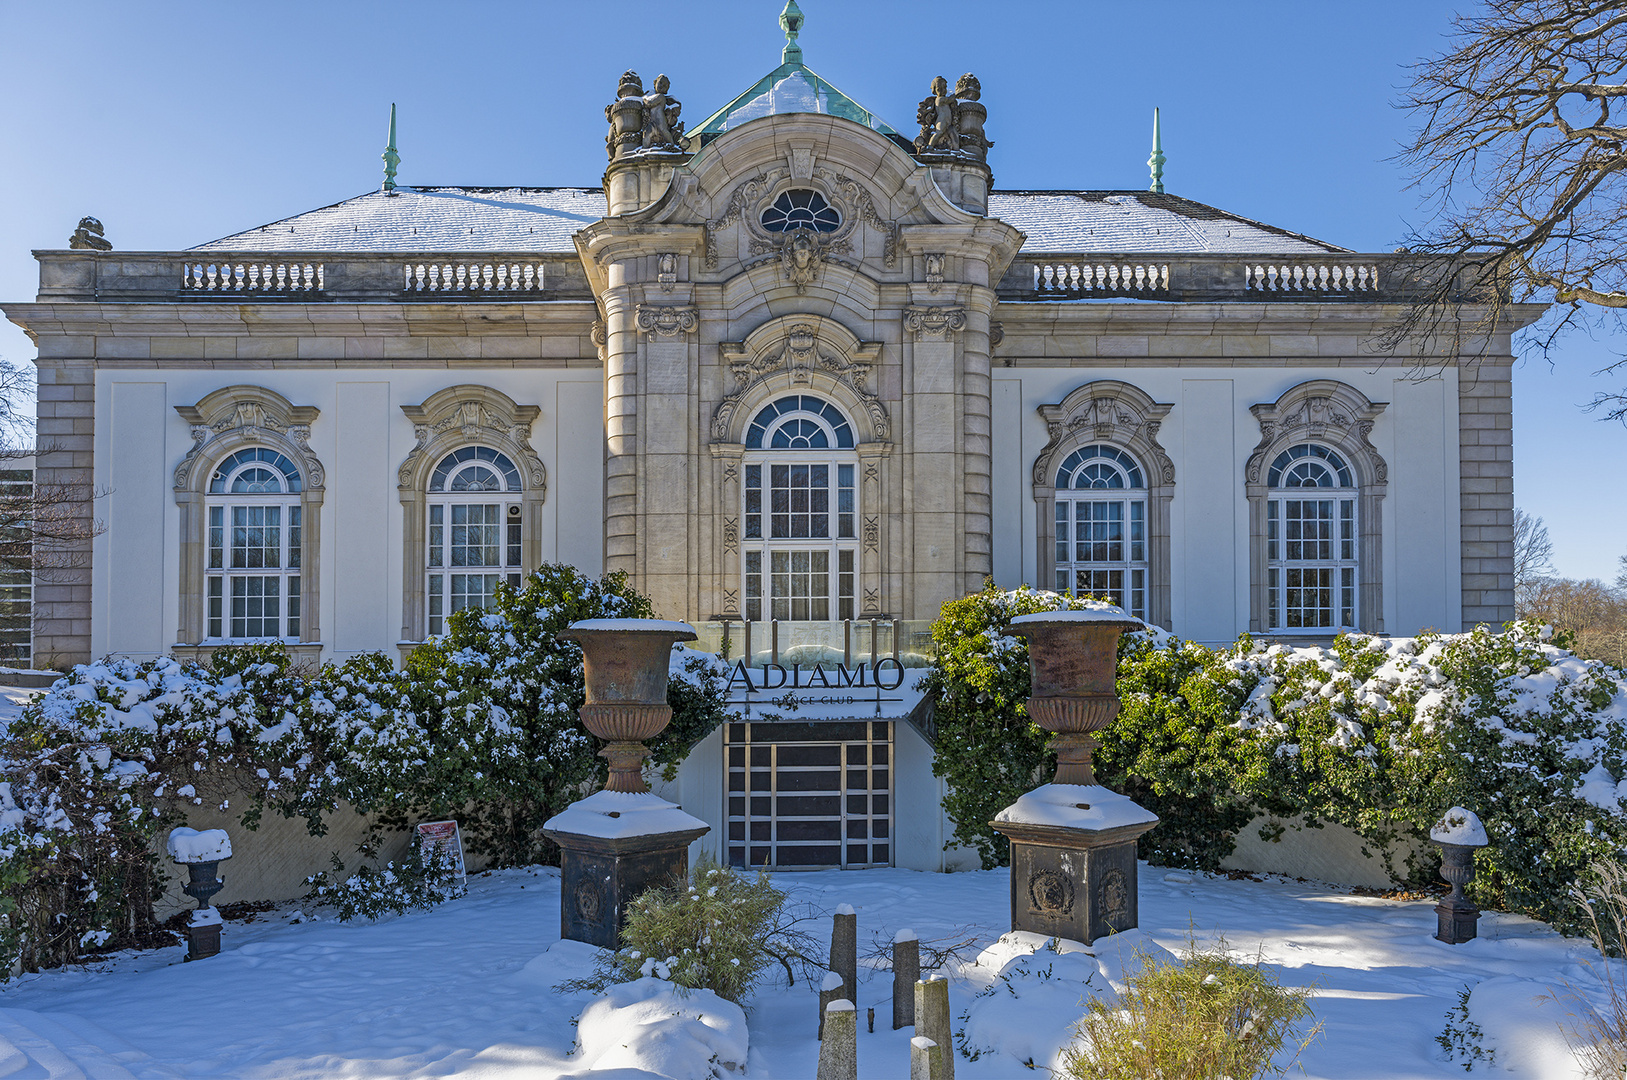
x=475, y=534
x=799, y=549
x=801, y=208
x=1101, y=527
x=1312, y=553
x=252, y=572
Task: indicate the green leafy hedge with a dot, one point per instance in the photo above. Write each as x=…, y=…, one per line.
x=1378, y=734
x=481, y=725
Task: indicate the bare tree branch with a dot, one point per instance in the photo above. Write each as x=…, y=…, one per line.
x=1522, y=143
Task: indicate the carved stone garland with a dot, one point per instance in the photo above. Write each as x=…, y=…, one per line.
x=478, y=416
x=250, y=415
x=800, y=357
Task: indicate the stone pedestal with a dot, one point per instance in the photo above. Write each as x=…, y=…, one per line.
x=1457, y=921
x=1070, y=883
x=202, y=941
x=601, y=876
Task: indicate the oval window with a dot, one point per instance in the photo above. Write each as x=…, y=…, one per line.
x=801, y=208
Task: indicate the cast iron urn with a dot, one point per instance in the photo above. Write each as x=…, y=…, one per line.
x=201, y=853
x=1073, y=842
x=618, y=842
x=1458, y=833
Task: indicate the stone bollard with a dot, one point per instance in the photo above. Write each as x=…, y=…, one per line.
x=830, y=990
x=932, y=1022
x=906, y=972
x=923, y=1059
x=844, y=950
x=839, y=1053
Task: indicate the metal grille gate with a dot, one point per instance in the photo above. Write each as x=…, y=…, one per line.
x=809, y=794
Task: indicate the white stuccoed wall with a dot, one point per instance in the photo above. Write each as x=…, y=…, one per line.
x=361, y=437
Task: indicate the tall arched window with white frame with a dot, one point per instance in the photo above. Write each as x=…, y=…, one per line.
x=799, y=548
x=1101, y=527
x=252, y=573
x=475, y=535
x=1312, y=567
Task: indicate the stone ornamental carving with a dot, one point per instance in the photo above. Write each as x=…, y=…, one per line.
x=643, y=123
x=588, y=901
x=474, y=414
x=801, y=251
x=1320, y=411
x=666, y=271
x=88, y=236
x=934, y=322
x=244, y=416
x=669, y=321
x=934, y=273
x=1105, y=411
x=952, y=122
x=800, y=357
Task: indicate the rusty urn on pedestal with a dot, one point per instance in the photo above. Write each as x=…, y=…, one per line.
x=1073, y=842
x=618, y=842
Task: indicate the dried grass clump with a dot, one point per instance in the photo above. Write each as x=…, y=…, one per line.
x=1202, y=1017
x=1599, y=1041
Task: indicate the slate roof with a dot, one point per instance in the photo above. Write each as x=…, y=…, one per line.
x=454, y=219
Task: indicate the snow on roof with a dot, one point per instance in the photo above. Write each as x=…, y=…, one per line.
x=437, y=219
x=432, y=219
x=1131, y=221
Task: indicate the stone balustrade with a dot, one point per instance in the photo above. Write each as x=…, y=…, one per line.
x=311, y=277
x=1330, y=278
x=404, y=276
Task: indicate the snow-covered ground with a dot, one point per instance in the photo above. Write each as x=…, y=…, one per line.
x=466, y=990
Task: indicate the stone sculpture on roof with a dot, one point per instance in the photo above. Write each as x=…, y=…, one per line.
x=89, y=236
x=952, y=123
x=641, y=122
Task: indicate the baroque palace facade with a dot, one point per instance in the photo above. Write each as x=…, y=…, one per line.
x=789, y=367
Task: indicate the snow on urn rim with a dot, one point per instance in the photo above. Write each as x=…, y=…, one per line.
x=664, y=626
x=1108, y=613
x=1459, y=826
x=192, y=846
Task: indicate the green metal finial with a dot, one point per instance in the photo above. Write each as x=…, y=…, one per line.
x=391, y=158
x=791, y=22
x=1156, y=161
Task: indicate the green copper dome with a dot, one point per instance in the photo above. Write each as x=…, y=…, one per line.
x=790, y=88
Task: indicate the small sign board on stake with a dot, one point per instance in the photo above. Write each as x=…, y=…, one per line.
x=437, y=837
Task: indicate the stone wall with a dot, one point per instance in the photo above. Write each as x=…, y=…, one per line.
x=1331, y=853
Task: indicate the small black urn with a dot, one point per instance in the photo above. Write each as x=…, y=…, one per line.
x=201, y=853
x=1457, y=834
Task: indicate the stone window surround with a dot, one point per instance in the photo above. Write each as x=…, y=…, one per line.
x=1122, y=415
x=454, y=417
x=1340, y=417
x=801, y=354
x=230, y=419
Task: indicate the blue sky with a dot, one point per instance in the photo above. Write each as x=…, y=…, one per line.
x=179, y=123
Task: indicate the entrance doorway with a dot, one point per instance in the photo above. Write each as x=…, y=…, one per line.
x=806, y=795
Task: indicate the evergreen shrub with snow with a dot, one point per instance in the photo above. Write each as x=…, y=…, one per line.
x=374, y=892
x=718, y=932
x=480, y=726
x=1378, y=734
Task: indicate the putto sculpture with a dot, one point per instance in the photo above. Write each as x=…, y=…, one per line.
x=952, y=122
x=643, y=123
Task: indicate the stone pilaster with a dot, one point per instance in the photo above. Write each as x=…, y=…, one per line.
x=936, y=566
x=666, y=505
x=1486, y=486
x=64, y=464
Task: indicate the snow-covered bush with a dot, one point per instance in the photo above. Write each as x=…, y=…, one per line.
x=1378, y=734
x=1205, y=1015
x=481, y=726
x=374, y=892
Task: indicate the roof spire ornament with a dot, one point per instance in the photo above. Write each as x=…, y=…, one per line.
x=791, y=22
x=391, y=158
x=1156, y=161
